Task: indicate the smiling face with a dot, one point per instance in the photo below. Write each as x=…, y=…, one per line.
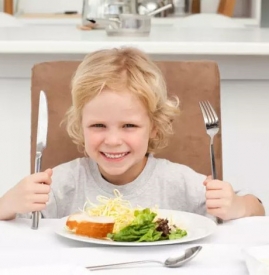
x=116, y=129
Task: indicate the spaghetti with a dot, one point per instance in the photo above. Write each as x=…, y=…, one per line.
x=121, y=210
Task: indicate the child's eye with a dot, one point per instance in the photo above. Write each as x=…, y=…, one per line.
x=98, y=125
x=129, y=126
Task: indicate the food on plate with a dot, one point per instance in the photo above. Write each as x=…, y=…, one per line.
x=118, y=208
x=117, y=220
x=147, y=227
x=90, y=226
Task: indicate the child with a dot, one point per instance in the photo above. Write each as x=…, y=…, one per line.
x=120, y=116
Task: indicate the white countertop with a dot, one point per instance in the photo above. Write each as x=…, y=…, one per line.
x=163, y=39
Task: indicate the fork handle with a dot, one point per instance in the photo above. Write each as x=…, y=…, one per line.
x=214, y=172
x=213, y=163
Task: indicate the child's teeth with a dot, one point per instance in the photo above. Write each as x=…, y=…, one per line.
x=114, y=156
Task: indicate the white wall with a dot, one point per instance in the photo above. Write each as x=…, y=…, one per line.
x=245, y=129
x=15, y=126
x=48, y=6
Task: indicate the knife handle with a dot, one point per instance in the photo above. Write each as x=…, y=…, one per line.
x=35, y=215
x=35, y=220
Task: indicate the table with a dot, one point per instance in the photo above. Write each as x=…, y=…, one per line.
x=221, y=253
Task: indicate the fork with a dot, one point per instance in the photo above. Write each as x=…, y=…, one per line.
x=211, y=121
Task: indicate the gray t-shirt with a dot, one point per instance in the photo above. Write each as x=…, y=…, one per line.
x=162, y=183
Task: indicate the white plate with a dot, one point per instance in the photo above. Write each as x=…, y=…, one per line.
x=197, y=227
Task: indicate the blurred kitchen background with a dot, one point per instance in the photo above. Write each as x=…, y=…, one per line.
x=32, y=8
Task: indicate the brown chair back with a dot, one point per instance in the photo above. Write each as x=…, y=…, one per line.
x=191, y=81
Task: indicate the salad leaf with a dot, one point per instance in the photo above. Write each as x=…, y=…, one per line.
x=132, y=233
x=144, y=229
x=151, y=236
x=177, y=234
x=141, y=226
x=144, y=216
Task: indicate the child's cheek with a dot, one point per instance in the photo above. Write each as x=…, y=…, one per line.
x=94, y=140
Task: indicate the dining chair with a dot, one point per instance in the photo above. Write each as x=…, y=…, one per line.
x=191, y=81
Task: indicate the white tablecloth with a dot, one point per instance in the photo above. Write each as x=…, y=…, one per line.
x=221, y=253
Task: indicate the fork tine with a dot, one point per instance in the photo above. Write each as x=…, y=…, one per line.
x=208, y=112
x=212, y=112
x=203, y=112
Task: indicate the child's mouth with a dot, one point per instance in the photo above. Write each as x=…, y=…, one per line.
x=114, y=156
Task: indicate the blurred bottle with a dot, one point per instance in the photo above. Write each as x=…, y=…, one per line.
x=8, y=6
x=264, y=20
x=196, y=6
x=180, y=7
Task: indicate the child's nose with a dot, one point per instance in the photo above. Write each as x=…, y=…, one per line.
x=113, y=138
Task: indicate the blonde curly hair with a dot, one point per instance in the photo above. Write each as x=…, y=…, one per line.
x=115, y=69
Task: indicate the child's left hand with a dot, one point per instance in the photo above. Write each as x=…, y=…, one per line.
x=221, y=200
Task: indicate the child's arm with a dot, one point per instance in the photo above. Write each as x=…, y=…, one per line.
x=252, y=206
x=222, y=202
x=30, y=194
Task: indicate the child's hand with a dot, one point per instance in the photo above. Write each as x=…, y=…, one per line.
x=221, y=201
x=30, y=194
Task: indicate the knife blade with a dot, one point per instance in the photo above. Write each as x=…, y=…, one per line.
x=41, y=142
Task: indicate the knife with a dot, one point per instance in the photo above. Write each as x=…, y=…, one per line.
x=41, y=142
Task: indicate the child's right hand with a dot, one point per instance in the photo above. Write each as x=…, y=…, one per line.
x=30, y=194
